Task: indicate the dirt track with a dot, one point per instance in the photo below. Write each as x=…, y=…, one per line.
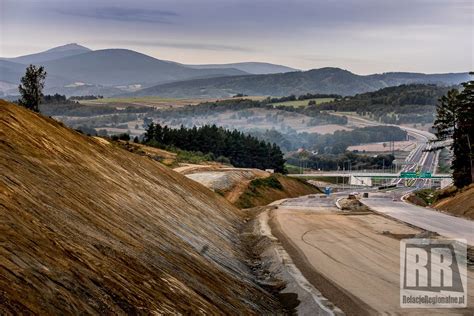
x=352, y=259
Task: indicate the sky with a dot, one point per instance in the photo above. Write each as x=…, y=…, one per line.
x=363, y=36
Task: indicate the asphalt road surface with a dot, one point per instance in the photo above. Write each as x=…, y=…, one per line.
x=353, y=259
x=443, y=224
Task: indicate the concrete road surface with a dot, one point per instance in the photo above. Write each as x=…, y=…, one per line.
x=353, y=259
x=443, y=224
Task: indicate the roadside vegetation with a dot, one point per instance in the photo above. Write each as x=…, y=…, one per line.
x=444, y=162
x=427, y=197
x=345, y=161
x=459, y=202
x=455, y=120
x=263, y=191
x=171, y=157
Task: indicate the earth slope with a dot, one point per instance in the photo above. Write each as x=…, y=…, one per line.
x=86, y=227
x=461, y=204
x=245, y=187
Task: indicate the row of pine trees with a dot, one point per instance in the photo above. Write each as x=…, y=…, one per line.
x=242, y=150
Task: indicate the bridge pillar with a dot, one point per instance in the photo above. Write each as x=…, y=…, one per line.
x=446, y=183
x=366, y=181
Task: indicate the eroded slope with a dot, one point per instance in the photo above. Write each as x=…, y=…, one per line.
x=461, y=204
x=86, y=227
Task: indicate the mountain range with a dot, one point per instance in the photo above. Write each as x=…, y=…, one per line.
x=324, y=80
x=51, y=54
x=73, y=68
x=77, y=70
x=255, y=68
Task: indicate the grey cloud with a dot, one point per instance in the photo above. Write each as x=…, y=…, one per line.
x=123, y=14
x=181, y=45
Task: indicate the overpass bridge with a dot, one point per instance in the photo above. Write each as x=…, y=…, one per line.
x=378, y=178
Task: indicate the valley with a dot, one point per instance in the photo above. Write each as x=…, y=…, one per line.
x=236, y=158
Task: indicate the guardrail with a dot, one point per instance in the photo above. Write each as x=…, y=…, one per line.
x=370, y=175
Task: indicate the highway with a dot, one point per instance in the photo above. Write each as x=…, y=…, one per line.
x=352, y=258
x=422, y=217
x=418, y=159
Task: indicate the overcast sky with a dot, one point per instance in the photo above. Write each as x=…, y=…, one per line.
x=363, y=36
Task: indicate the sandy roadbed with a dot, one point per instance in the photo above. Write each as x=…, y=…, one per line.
x=352, y=259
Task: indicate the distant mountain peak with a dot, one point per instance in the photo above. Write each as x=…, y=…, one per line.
x=70, y=46
x=51, y=54
x=330, y=70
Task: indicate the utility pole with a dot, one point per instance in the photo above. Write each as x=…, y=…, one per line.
x=350, y=171
x=470, y=157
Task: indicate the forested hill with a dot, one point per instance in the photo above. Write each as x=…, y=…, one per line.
x=402, y=104
x=324, y=80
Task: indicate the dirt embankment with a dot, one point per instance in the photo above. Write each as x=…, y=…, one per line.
x=247, y=188
x=461, y=203
x=86, y=227
x=276, y=187
x=165, y=157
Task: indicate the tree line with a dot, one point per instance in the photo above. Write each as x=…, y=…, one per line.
x=347, y=160
x=335, y=143
x=455, y=120
x=211, y=108
x=241, y=150
x=306, y=96
x=414, y=103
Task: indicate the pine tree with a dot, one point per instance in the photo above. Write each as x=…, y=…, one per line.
x=149, y=133
x=463, y=137
x=31, y=87
x=455, y=119
x=447, y=115
x=241, y=150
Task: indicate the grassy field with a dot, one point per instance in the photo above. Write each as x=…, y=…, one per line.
x=128, y=100
x=160, y=102
x=299, y=103
x=153, y=101
x=333, y=180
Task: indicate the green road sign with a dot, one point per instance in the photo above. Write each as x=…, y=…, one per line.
x=415, y=175
x=408, y=175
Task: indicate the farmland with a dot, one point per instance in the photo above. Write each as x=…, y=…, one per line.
x=155, y=102
x=300, y=103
